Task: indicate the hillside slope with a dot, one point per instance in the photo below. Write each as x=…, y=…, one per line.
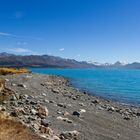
x=40, y=61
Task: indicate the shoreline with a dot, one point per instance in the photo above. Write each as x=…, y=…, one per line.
x=90, y=93
x=95, y=95
x=70, y=110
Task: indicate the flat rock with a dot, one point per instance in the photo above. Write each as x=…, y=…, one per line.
x=69, y=135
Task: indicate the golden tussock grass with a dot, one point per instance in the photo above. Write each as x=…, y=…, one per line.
x=10, y=129
x=6, y=71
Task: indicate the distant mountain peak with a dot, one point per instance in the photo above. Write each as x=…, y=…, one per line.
x=11, y=60
x=120, y=63
x=5, y=54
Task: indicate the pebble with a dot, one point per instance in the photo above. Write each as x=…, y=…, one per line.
x=36, y=126
x=33, y=102
x=7, y=80
x=138, y=114
x=13, y=84
x=45, y=122
x=56, y=138
x=22, y=85
x=82, y=111
x=111, y=108
x=2, y=108
x=64, y=119
x=51, y=101
x=127, y=118
x=61, y=105
x=46, y=130
x=95, y=101
x=33, y=111
x=76, y=113
x=13, y=98
x=44, y=94
x=81, y=104
x=46, y=101
x=69, y=135
x=66, y=113
x=74, y=98
x=59, y=112
x=55, y=90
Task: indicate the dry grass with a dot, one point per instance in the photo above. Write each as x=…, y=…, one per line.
x=5, y=93
x=6, y=71
x=11, y=129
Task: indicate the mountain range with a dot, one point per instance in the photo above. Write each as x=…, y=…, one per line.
x=11, y=60
x=47, y=61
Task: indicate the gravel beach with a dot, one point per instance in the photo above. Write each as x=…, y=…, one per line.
x=53, y=109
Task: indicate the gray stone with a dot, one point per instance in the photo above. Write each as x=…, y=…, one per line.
x=13, y=98
x=95, y=101
x=74, y=98
x=33, y=102
x=44, y=94
x=45, y=122
x=111, y=108
x=64, y=119
x=69, y=135
x=138, y=114
x=13, y=84
x=55, y=90
x=46, y=101
x=61, y=105
x=81, y=104
x=22, y=85
x=51, y=101
x=33, y=111
x=2, y=108
x=127, y=118
x=76, y=113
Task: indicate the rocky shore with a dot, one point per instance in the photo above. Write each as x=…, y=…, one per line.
x=54, y=110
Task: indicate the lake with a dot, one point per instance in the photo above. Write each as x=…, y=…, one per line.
x=116, y=84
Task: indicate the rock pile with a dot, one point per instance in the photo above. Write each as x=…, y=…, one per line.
x=34, y=114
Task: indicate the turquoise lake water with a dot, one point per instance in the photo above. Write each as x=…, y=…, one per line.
x=119, y=85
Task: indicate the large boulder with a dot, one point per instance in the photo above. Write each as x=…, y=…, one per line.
x=43, y=111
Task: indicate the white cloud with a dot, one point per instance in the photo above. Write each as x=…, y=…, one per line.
x=62, y=49
x=22, y=43
x=5, y=34
x=20, y=50
x=23, y=51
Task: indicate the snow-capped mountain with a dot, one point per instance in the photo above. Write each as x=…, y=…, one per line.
x=116, y=64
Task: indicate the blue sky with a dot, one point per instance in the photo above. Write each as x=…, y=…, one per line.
x=98, y=30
